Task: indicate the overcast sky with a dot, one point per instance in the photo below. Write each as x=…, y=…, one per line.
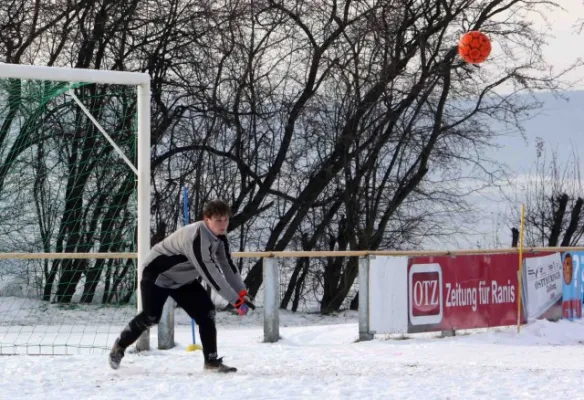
x=566, y=44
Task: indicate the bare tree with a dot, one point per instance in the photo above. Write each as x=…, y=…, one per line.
x=408, y=104
x=326, y=124
x=552, y=194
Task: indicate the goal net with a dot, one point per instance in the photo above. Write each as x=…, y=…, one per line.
x=74, y=206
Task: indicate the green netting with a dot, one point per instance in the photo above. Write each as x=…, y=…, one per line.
x=64, y=189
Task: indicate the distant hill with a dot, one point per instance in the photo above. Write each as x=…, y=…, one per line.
x=560, y=125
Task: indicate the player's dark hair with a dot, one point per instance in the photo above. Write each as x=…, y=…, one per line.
x=216, y=208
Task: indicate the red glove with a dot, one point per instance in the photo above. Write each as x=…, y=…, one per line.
x=242, y=309
x=243, y=303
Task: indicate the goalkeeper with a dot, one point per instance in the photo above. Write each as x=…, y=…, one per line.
x=172, y=268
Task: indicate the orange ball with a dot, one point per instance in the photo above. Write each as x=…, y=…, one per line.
x=474, y=47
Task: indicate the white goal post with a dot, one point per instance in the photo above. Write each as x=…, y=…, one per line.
x=141, y=81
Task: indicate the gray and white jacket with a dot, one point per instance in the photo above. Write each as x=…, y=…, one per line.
x=191, y=252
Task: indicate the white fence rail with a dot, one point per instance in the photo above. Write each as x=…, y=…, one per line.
x=271, y=284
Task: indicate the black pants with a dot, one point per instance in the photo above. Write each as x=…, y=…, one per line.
x=192, y=298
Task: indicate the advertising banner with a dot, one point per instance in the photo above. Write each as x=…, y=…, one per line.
x=542, y=278
x=462, y=292
x=572, y=285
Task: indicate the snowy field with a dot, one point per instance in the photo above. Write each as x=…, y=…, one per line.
x=318, y=358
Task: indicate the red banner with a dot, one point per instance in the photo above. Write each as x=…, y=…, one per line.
x=462, y=292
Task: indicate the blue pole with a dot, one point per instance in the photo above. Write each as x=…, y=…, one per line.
x=186, y=217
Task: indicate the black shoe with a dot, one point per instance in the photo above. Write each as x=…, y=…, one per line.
x=216, y=365
x=116, y=355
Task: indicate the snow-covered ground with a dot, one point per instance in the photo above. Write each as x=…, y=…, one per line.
x=319, y=358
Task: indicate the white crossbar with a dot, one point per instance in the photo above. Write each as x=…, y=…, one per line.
x=72, y=75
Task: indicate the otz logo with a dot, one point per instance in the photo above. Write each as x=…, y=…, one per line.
x=425, y=294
